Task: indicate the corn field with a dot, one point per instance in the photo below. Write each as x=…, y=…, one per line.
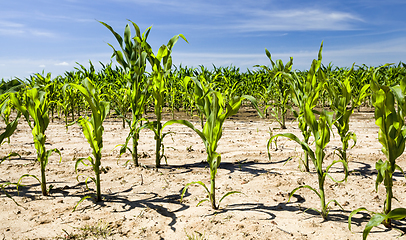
x=310, y=112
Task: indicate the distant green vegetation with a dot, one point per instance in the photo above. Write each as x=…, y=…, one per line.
x=260, y=83
x=321, y=99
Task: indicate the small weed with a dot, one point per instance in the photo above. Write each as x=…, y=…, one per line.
x=99, y=231
x=198, y=236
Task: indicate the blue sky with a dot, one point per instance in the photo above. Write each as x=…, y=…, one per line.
x=49, y=35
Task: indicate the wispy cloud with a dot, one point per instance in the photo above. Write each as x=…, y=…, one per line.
x=9, y=24
x=244, y=16
x=297, y=20
x=372, y=54
x=10, y=28
x=62, y=64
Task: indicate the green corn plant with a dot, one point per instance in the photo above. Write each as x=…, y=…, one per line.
x=71, y=100
x=298, y=96
x=11, y=126
x=392, y=136
x=93, y=129
x=161, y=67
x=320, y=127
x=121, y=98
x=35, y=104
x=279, y=85
x=5, y=110
x=50, y=86
x=132, y=57
x=216, y=110
x=6, y=88
x=341, y=96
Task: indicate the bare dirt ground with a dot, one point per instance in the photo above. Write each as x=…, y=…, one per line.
x=143, y=202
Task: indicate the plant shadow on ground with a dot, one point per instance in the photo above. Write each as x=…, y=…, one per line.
x=249, y=166
x=368, y=171
x=152, y=201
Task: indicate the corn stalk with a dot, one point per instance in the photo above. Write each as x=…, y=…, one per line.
x=132, y=57
x=93, y=129
x=320, y=124
x=35, y=105
x=216, y=110
x=392, y=136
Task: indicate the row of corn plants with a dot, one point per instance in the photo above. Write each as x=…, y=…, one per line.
x=213, y=96
x=390, y=111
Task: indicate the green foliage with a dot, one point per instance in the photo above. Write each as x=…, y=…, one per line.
x=132, y=57
x=278, y=89
x=390, y=113
x=320, y=128
x=36, y=105
x=93, y=128
x=343, y=102
x=299, y=95
x=161, y=66
x=5, y=110
x=216, y=109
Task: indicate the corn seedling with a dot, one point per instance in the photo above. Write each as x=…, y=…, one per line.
x=36, y=105
x=132, y=57
x=392, y=136
x=93, y=130
x=216, y=110
x=5, y=112
x=161, y=66
x=321, y=131
x=278, y=84
x=299, y=95
x=341, y=95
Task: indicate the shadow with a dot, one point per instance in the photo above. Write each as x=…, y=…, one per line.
x=250, y=166
x=368, y=170
x=365, y=169
x=27, y=191
x=365, y=218
x=334, y=215
x=147, y=200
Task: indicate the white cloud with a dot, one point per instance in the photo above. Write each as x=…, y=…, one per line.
x=8, y=28
x=296, y=20
x=42, y=33
x=243, y=16
x=373, y=54
x=8, y=24
x=42, y=66
x=62, y=64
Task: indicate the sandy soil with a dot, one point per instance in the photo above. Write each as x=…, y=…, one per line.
x=143, y=202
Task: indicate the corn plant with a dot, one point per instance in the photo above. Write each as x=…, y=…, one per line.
x=35, y=104
x=132, y=57
x=93, y=129
x=279, y=85
x=161, y=67
x=216, y=110
x=320, y=127
x=392, y=136
x=71, y=100
x=5, y=110
x=11, y=126
x=341, y=96
x=298, y=95
x=6, y=88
